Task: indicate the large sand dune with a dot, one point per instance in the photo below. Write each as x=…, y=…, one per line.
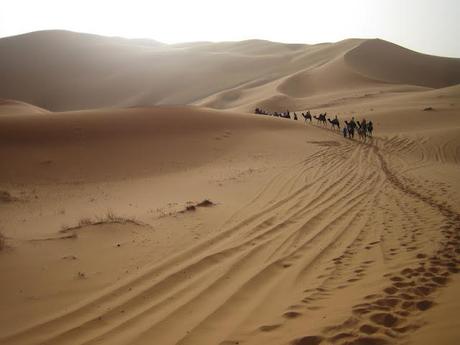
x=189, y=225
x=60, y=70
x=346, y=69
x=388, y=62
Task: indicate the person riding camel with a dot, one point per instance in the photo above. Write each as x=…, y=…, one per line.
x=370, y=127
x=353, y=123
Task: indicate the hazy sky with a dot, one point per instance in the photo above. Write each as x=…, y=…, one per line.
x=429, y=26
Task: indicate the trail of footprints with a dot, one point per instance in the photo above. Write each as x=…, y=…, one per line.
x=410, y=219
x=404, y=228
x=387, y=316
x=383, y=318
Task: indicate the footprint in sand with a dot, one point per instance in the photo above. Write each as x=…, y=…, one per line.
x=268, y=328
x=291, y=314
x=308, y=340
x=385, y=319
x=368, y=329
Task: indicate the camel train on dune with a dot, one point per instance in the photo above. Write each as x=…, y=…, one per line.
x=364, y=128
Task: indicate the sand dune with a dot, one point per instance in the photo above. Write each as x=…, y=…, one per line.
x=388, y=62
x=143, y=142
x=189, y=225
x=347, y=69
x=11, y=107
x=329, y=78
x=60, y=70
x=249, y=47
x=105, y=73
x=312, y=239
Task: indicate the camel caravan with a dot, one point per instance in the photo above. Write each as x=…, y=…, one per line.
x=363, y=129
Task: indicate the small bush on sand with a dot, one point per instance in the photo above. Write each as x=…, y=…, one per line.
x=108, y=218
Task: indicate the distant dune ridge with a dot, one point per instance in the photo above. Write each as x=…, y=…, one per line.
x=61, y=70
x=9, y=107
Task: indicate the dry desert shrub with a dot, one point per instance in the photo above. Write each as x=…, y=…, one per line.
x=108, y=218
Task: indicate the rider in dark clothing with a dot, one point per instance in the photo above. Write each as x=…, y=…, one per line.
x=353, y=124
x=370, y=127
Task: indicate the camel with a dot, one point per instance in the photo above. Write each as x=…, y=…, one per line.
x=350, y=129
x=306, y=116
x=370, y=128
x=362, y=129
x=334, y=123
x=362, y=133
x=321, y=118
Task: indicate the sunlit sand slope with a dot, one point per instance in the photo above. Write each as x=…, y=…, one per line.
x=60, y=70
x=310, y=238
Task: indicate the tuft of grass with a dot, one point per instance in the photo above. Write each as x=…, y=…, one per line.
x=108, y=218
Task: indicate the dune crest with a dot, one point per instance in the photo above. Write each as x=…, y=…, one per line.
x=391, y=63
x=12, y=108
x=71, y=71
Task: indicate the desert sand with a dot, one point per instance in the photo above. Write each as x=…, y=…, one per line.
x=144, y=203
